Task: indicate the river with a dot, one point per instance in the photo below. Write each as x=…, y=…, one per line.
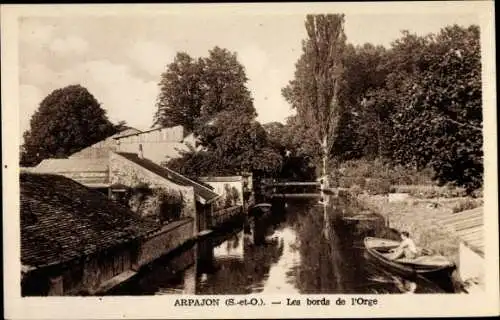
x=296, y=249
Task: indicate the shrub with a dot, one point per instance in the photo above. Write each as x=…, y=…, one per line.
x=467, y=204
x=168, y=205
x=356, y=190
x=231, y=196
x=430, y=191
x=378, y=186
x=383, y=169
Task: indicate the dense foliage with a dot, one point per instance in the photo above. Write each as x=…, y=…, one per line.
x=417, y=104
x=193, y=91
x=209, y=97
x=67, y=120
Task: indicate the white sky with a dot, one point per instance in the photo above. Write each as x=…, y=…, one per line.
x=119, y=60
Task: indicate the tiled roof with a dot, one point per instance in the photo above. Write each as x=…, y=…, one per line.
x=468, y=226
x=62, y=220
x=201, y=190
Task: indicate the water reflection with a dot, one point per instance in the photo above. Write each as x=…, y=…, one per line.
x=295, y=249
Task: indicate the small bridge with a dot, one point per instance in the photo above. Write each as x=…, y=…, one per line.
x=294, y=189
x=290, y=189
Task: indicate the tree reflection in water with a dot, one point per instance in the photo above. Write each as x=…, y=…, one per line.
x=319, y=271
x=301, y=248
x=243, y=275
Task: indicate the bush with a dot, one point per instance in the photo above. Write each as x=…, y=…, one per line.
x=467, y=204
x=168, y=205
x=430, y=191
x=378, y=186
x=356, y=190
x=383, y=169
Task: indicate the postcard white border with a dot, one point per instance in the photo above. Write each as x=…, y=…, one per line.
x=163, y=306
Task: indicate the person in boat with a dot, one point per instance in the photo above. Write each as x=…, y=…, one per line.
x=406, y=248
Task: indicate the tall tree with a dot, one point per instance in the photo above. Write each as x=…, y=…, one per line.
x=314, y=92
x=209, y=96
x=192, y=91
x=361, y=128
x=224, y=81
x=181, y=93
x=68, y=120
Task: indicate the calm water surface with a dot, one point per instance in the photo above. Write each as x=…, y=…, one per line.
x=298, y=249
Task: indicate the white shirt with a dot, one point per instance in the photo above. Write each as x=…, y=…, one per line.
x=409, y=244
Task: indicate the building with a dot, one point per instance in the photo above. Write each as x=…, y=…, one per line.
x=91, y=172
x=88, y=166
x=233, y=190
x=130, y=169
x=158, y=145
x=101, y=149
x=73, y=239
x=92, y=166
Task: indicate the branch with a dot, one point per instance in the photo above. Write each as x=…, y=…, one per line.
x=462, y=124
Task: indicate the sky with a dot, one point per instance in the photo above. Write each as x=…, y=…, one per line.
x=120, y=59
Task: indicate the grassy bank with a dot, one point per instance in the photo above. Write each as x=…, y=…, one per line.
x=409, y=201
x=420, y=218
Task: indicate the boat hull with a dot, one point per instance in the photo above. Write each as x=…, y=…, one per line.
x=403, y=269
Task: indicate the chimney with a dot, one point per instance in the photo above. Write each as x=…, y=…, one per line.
x=140, y=151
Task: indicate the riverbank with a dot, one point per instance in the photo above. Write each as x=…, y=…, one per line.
x=423, y=219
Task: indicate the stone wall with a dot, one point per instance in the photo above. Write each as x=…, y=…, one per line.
x=164, y=241
x=125, y=172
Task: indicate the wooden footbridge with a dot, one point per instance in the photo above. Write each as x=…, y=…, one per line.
x=289, y=189
x=294, y=189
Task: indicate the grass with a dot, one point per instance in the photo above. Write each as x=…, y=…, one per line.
x=371, y=181
x=420, y=220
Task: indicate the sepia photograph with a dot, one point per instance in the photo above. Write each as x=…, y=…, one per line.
x=330, y=157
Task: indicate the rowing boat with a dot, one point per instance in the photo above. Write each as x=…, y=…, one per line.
x=425, y=265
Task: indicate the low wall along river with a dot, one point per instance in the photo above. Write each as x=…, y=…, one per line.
x=297, y=248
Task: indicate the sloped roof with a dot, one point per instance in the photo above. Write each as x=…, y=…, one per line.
x=62, y=220
x=203, y=191
x=125, y=132
x=90, y=172
x=71, y=165
x=151, y=130
x=468, y=226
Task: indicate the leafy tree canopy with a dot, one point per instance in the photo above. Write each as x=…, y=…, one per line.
x=67, y=120
x=417, y=103
x=192, y=91
x=209, y=97
x=436, y=104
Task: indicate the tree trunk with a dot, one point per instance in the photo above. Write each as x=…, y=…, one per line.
x=325, y=163
x=324, y=175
